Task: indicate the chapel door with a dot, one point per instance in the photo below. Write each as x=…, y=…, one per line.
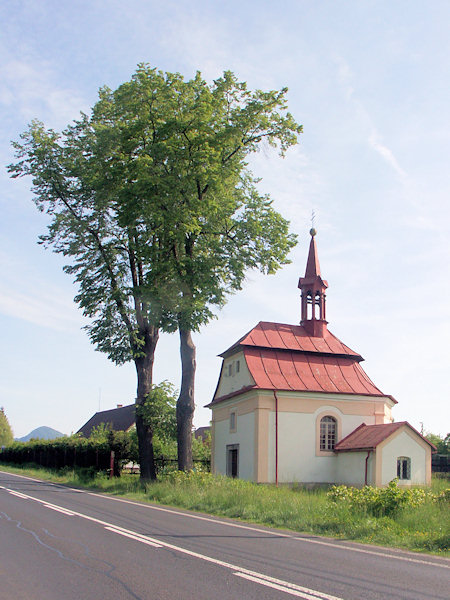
x=233, y=460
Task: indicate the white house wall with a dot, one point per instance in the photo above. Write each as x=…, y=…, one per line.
x=244, y=436
x=297, y=442
x=351, y=468
x=297, y=457
x=403, y=445
x=232, y=380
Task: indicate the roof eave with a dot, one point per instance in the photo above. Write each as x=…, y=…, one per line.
x=243, y=390
x=361, y=449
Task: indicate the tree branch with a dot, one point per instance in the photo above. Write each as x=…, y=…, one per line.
x=113, y=280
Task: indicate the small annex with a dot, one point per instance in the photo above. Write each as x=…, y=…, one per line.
x=293, y=404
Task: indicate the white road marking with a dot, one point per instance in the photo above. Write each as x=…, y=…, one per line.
x=137, y=537
x=158, y=543
x=18, y=494
x=281, y=588
x=59, y=509
x=337, y=546
x=259, y=577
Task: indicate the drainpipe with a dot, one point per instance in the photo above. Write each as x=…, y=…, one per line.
x=276, y=437
x=367, y=459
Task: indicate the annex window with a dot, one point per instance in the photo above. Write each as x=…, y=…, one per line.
x=404, y=467
x=233, y=460
x=232, y=421
x=328, y=433
x=238, y=366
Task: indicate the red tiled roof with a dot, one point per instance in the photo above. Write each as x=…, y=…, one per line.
x=290, y=370
x=281, y=336
x=368, y=437
x=285, y=357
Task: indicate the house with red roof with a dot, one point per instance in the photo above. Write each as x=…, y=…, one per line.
x=293, y=404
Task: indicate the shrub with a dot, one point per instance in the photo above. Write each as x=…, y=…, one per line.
x=383, y=501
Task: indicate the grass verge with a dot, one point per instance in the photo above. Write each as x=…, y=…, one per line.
x=423, y=528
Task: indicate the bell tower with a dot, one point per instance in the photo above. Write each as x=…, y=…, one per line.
x=313, y=297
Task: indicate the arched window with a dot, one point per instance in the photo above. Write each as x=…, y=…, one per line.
x=328, y=433
x=317, y=306
x=309, y=306
x=404, y=467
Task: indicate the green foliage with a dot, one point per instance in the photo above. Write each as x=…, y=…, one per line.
x=151, y=200
x=159, y=412
x=201, y=450
x=93, y=454
x=73, y=451
x=442, y=443
x=6, y=434
x=382, y=501
x=100, y=433
x=189, y=141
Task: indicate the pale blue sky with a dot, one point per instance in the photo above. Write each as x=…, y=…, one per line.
x=369, y=80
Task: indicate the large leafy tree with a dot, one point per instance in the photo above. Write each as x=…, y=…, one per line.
x=6, y=434
x=106, y=243
x=152, y=199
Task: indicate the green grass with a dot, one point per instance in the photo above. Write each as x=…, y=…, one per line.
x=423, y=528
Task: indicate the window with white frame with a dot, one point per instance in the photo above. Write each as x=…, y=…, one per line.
x=404, y=467
x=328, y=433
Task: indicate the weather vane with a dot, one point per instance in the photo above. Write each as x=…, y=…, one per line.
x=313, y=217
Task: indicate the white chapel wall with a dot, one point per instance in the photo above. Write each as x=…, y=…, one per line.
x=403, y=445
x=351, y=468
x=244, y=436
x=234, y=375
x=297, y=458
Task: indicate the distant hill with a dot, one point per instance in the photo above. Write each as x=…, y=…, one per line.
x=42, y=433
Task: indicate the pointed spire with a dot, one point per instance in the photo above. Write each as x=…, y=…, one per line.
x=312, y=266
x=313, y=289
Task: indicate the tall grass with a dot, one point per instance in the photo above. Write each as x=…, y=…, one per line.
x=421, y=528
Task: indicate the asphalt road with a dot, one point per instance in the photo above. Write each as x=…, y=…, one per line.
x=58, y=543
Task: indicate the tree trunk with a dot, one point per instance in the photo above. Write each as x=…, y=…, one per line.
x=144, y=370
x=185, y=402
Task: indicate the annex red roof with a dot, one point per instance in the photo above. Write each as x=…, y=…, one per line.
x=281, y=336
x=368, y=437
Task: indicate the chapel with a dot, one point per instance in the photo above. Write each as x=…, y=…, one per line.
x=293, y=404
